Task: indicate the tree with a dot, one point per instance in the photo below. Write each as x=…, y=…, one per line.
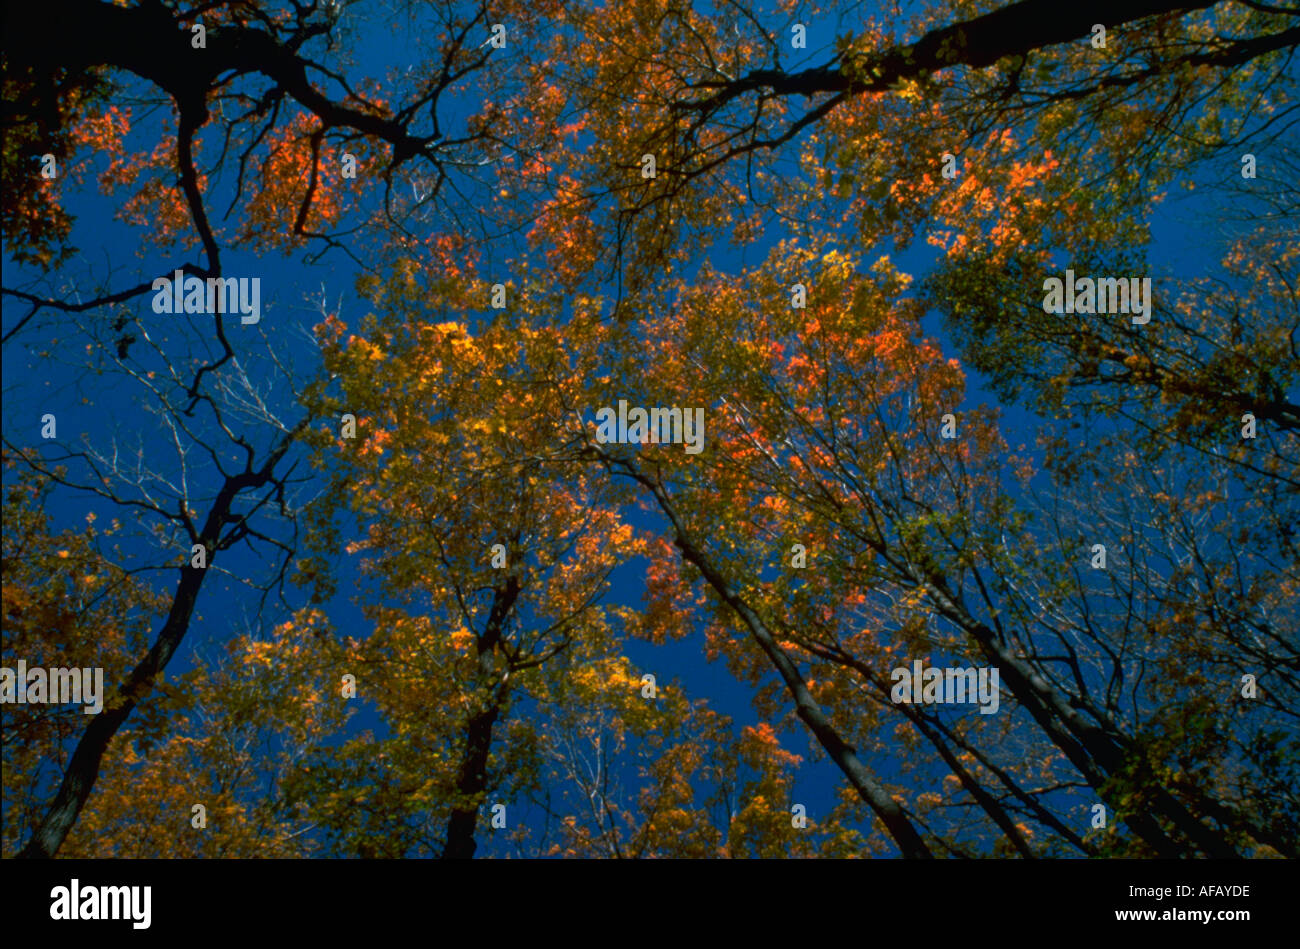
x=226, y=484
x=489, y=562
x=708, y=94
x=827, y=436
x=240, y=78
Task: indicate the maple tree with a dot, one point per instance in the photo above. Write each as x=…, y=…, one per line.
x=710, y=95
x=488, y=566
x=919, y=549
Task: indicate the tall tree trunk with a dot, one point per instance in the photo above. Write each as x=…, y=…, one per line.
x=471, y=776
x=1089, y=746
x=83, y=770
x=896, y=822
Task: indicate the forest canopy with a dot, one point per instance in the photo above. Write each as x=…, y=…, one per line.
x=651, y=429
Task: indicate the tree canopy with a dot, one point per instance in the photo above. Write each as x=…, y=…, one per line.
x=601, y=429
